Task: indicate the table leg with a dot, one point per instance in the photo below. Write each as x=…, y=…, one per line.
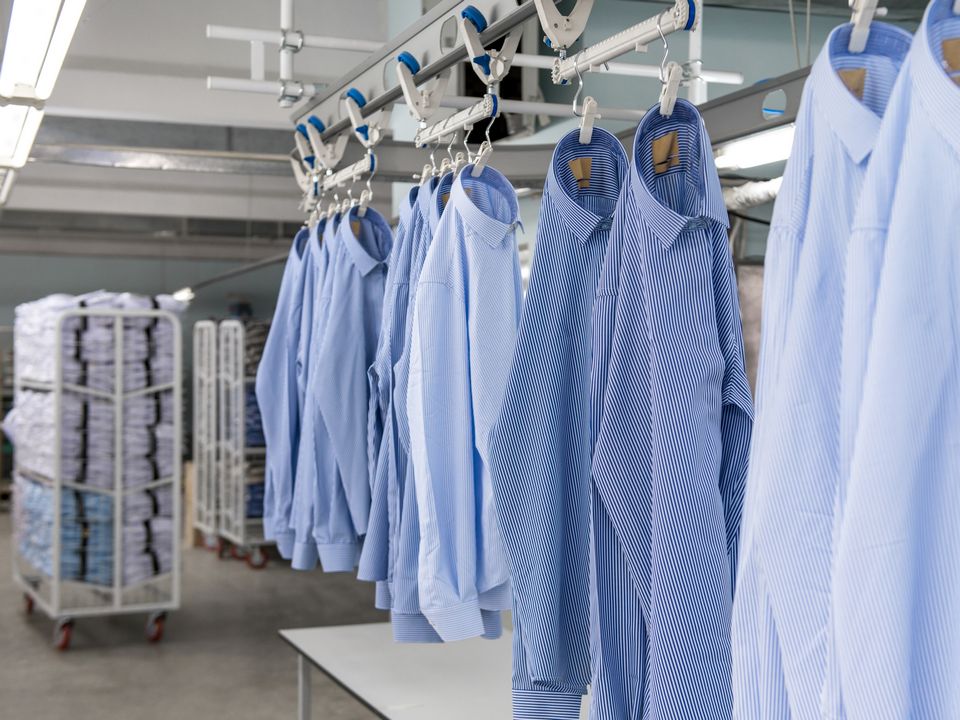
x=303, y=688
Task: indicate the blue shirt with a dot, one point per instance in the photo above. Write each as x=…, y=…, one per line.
x=897, y=577
x=540, y=449
x=781, y=612
x=341, y=392
x=278, y=397
x=315, y=457
x=381, y=436
x=464, y=328
x=674, y=415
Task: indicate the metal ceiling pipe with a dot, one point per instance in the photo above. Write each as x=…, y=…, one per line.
x=272, y=37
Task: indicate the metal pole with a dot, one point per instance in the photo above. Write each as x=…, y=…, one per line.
x=303, y=688
x=286, y=53
x=177, y=448
x=58, y=467
x=118, y=367
x=272, y=37
x=697, y=89
x=545, y=62
x=543, y=108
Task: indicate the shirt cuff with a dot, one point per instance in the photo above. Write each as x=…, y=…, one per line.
x=545, y=705
x=339, y=557
x=383, y=599
x=304, y=555
x=457, y=622
x=285, y=542
x=413, y=628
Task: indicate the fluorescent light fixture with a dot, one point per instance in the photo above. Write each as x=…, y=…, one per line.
x=7, y=176
x=18, y=130
x=184, y=295
x=37, y=41
x=763, y=148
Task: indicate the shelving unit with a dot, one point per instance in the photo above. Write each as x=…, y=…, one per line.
x=237, y=524
x=95, y=513
x=6, y=402
x=206, y=516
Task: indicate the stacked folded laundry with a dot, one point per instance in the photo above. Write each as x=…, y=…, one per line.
x=72, y=436
x=255, y=336
x=253, y=423
x=255, y=472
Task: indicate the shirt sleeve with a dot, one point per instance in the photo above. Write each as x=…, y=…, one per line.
x=442, y=449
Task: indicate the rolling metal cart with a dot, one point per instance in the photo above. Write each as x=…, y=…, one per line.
x=241, y=476
x=57, y=540
x=206, y=517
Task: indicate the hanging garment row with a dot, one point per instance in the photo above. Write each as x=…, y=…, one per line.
x=849, y=582
x=582, y=454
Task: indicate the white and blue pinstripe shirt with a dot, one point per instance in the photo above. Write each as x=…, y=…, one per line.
x=278, y=398
x=897, y=576
x=540, y=449
x=781, y=611
x=673, y=418
x=381, y=423
x=466, y=312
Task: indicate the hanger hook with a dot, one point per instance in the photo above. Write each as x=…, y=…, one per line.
x=666, y=50
x=486, y=133
x=453, y=139
x=372, y=173
x=466, y=131
x=433, y=150
x=576, y=97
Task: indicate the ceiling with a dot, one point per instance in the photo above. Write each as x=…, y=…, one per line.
x=134, y=81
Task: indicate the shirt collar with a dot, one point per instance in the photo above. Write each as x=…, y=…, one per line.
x=406, y=207
x=300, y=241
x=491, y=229
x=662, y=220
x=855, y=124
x=581, y=221
x=939, y=94
x=436, y=206
x=355, y=251
x=316, y=240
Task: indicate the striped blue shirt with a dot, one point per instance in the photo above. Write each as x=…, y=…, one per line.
x=341, y=393
x=897, y=577
x=781, y=612
x=673, y=418
x=381, y=432
x=314, y=450
x=465, y=320
x=540, y=449
x=277, y=395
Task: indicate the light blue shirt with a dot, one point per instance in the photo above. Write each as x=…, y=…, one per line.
x=673, y=414
x=465, y=320
x=781, y=611
x=315, y=458
x=341, y=393
x=897, y=575
x=381, y=425
x=278, y=397
x=540, y=450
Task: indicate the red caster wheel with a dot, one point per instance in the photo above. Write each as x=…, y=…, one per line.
x=63, y=634
x=154, y=628
x=28, y=604
x=257, y=558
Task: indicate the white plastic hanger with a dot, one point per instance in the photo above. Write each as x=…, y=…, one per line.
x=367, y=195
x=589, y=114
x=563, y=30
x=670, y=76
x=864, y=11
x=484, y=153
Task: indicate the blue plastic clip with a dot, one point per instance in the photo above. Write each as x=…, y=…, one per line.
x=472, y=14
x=691, y=14
x=317, y=123
x=302, y=129
x=357, y=97
x=410, y=61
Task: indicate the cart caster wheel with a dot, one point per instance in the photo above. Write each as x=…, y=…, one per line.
x=237, y=553
x=155, y=625
x=257, y=558
x=62, y=634
x=27, y=604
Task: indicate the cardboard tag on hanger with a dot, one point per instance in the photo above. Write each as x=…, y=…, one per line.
x=355, y=227
x=581, y=169
x=854, y=79
x=666, y=152
x=951, y=57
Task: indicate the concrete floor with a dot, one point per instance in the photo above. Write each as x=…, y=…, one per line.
x=220, y=656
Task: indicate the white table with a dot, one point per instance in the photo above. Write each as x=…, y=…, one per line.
x=467, y=680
